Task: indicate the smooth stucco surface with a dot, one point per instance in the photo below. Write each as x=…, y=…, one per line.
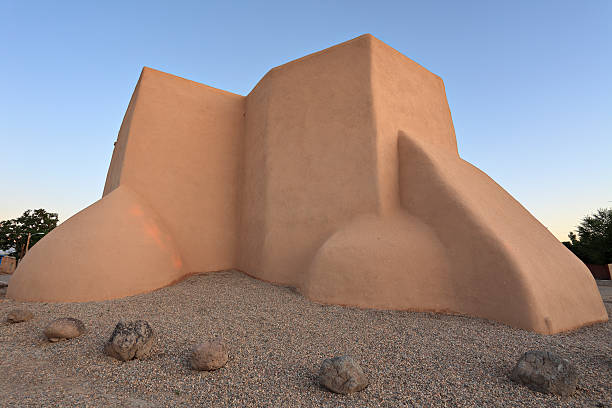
x=338, y=174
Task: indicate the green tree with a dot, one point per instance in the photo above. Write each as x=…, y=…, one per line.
x=14, y=233
x=592, y=242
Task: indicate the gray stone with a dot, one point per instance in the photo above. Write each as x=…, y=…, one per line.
x=64, y=328
x=546, y=372
x=130, y=340
x=210, y=355
x=342, y=375
x=19, y=315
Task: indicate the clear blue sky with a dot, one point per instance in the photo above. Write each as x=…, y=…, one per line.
x=529, y=83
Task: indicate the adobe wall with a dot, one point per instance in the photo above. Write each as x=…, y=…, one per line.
x=409, y=98
x=113, y=176
x=338, y=174
x=310, y=159
x=180, y=148
x=494, y=245
x=116, y=247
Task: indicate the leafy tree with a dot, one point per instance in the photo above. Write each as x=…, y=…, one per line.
x=14, y=233
x=593, y=241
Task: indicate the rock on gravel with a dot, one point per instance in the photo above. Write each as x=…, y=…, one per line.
x=130, y=340
x=19, y=315
x=210, y=355
x=546, y=372
x=342, y=375
x=64, y=328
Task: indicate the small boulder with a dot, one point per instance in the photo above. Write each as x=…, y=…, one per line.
x=210, y=355
x=64, y=328
x=342, y=375
x=546, y=372
x=19, y=315
x=130, y=340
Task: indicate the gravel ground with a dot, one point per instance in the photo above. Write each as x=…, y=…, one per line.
x=277, y=341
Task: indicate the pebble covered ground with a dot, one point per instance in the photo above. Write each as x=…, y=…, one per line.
x=277, y=341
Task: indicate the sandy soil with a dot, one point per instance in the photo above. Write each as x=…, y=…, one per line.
x=278, y=340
